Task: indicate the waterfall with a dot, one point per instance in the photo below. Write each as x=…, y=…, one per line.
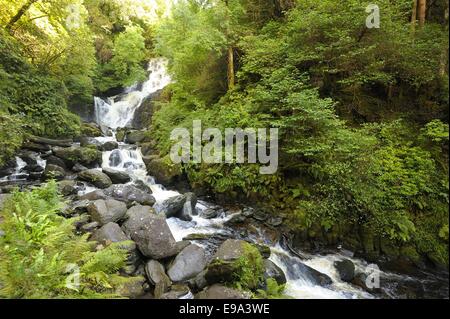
x=118, y=111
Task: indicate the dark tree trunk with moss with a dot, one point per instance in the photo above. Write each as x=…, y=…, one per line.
x=20, y=13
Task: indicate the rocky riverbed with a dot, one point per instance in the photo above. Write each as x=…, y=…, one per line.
x=186, y=246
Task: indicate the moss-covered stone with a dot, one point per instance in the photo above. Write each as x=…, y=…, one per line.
x=164, y=170
x=90, y=130
x=88, y=155
x=237, y=263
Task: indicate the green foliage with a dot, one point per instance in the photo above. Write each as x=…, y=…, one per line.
x=40, y=248
x=125, y=67
x=11, y=136
x=249, y=268
x=42, y=106
x=273, y=291
x=383, y=168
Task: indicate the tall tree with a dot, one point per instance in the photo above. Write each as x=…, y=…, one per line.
x=20, y=13
x=414, y=15
x=422, y=12
x=230, y=56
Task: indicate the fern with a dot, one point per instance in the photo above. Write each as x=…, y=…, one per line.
x=40, y=247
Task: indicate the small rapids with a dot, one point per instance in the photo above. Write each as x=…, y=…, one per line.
x=118, y=111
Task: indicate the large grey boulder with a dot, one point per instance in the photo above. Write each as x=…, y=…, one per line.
x=301, y=271
x=109, y=146
x=274, y=272
x=54, y=172
x=164, y=170
x=130, y=195
x=88, y=156
x=150, y=232
x=94, y=195
x=67, y=187
x=109, y=233
x=156, y=275
x=188, y=264
x=134, y=137
x=172, y=206
x=222, y=292
x=346, y=269
x=106, y=211
x=117, y=177
x=95, y=177
x=89, y=141
x=223, y=264
x=189, y=209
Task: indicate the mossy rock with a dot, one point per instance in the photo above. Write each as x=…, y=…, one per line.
x=410, y=252
x=164, y=170
x=238, y=263
x=90, y=130
x=88, y=155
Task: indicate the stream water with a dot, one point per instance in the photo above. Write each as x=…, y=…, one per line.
x=118, y=111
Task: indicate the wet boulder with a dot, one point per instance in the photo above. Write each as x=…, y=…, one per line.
x=178, y=292
x=130, y=195
x=95, y=177
x=134, y=137
x=78, y=207
x=364, y=282
x=117, y=177
x=296, y=269
x=54, y=172
x=274, y=272
x=106, y=211
x=132, y=288
x=150, y=232
x=222, y=292
x=164, y=170
x=109, y=233
x=115, y=158
x=172, y=206
x=94, y=195
x=89, y=227
x=90, y=141
x=225, y=263
x=156, y=275
x=91, y=130
x=87, y=156
x=77, y=168
x=189, y=209
x=56, y=161
x=346, y=269
x=67, y=187
x=188, y=264
x=109, y=146
x=209, y=213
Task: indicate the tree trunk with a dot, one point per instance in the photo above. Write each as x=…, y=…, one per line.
x=230, y=68
x=422, y=12
x=443, y=69
x=414, y=16
x=20, y=13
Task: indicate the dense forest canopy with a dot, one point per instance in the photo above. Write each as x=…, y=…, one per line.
x=362, y=112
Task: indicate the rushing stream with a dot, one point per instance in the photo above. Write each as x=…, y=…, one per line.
x=118, y=111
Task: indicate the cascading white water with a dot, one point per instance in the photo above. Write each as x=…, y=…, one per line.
x=119, y=111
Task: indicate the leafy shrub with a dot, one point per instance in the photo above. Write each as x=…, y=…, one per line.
x=39, y=247
x=11, y=136
x=249, y=268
